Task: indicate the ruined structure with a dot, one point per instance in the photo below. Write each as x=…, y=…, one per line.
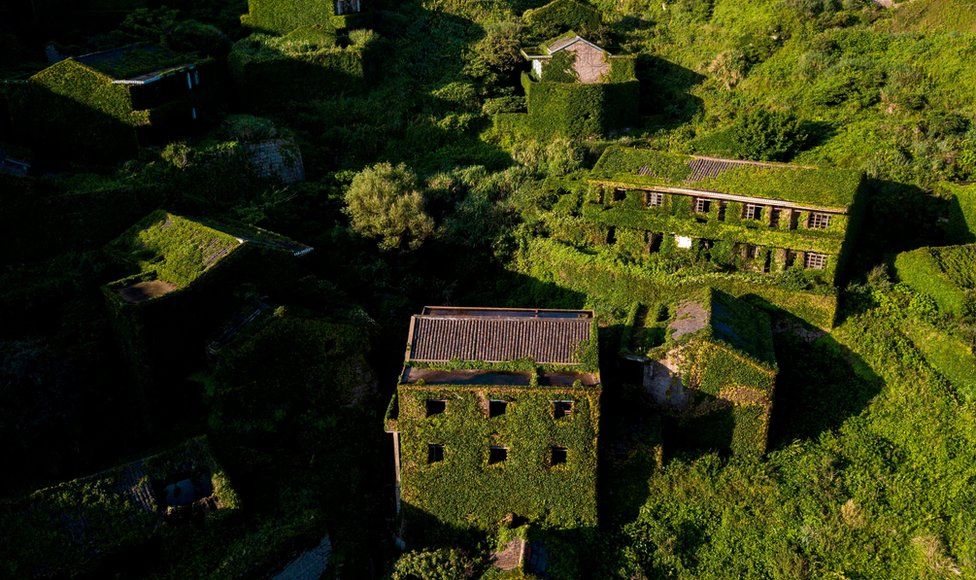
x=708, y=362
x=575, y=88
x=184, y=282
x=762, y=217
x=102, y=105
x=494, y=400
x=169, y=500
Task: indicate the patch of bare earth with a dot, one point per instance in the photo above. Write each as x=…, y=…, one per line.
x=146, y=291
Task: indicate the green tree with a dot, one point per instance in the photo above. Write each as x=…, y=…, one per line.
x=385, y=202
x=765, y=135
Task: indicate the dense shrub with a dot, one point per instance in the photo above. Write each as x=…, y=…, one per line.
x=385, y=202
x=765, y=135
x=562, y=15
x=442, y=564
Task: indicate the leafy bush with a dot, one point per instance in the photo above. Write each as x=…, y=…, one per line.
x=562, y=15
x=442, y=564
x=765, y=135
x=947, y=275
x=385, y=202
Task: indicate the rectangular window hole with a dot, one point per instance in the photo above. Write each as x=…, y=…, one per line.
x=557, y=456
x=562, y=409
x=435, y=453
x=497, y=408
x=497, y=454
x=435, y=407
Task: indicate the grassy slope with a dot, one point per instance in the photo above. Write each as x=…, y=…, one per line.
x=928, y=15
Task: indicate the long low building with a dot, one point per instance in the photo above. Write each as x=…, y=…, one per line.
x=775, y=216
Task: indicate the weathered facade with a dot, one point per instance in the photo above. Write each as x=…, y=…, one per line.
x=492, y=400
x=576, y=88
x=768, y=217
x=711, y=368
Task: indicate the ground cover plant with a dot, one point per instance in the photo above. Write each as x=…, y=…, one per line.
x=870, y=467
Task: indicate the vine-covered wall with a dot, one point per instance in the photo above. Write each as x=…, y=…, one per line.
x=465, y=491
x=271, y=72
x=283, y=16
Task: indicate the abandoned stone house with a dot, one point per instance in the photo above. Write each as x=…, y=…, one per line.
x=773, y=216
x=186, y=276
x=71, y=528
x=709, y=364
x=498, y=399
x=575, y=88
x=111, y=100
x=590, y=63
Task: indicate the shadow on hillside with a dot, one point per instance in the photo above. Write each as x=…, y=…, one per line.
x=665, y=90
x=630, y=435
x=821, y=384
x=897, y=218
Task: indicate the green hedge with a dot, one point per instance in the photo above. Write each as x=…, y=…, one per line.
x=946, y=274
x=464, y=492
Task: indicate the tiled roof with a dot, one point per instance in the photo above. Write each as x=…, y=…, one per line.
x=706, y=167
x=501, y=336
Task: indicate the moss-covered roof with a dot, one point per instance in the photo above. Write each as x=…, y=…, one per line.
x=136, y=60
x=808, y=186
x=175, y=249
x=169, y=252
x=719, y=317
x=65, y=529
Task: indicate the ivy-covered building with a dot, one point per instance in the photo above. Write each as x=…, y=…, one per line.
x=577, y=89
x=172, y=503
x=284, y=16
x=185, y=278
x=495, y=400
x=707, y=361
x=760, y=217
x=306, y=63
x=101, y=106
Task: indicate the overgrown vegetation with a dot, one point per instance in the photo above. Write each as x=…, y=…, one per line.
x=870, y=464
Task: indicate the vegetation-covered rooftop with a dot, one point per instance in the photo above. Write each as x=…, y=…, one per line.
x=66, y=529
x=806, y=186
x=135, y=61
x=719, y=317
x=172, y=249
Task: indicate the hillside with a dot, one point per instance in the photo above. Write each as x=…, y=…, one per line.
x=811, y=159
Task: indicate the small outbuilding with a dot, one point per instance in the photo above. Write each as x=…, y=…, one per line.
x=708, y=363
